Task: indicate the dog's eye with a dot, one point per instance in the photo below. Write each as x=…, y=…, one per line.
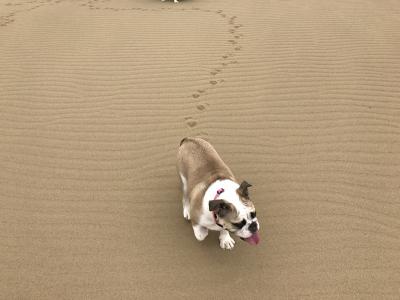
x=253, y=214
x=240, y=224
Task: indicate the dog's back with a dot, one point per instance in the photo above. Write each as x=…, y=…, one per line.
x=197, y=158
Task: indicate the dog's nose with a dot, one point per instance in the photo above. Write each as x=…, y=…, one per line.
x=253, y=227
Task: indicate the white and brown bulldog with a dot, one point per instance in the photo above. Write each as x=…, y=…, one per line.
x=212, y=198
x=175, y=1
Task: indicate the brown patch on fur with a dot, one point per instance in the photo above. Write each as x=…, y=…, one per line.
x=221, y=207
x=243, y=190
x=229, y=218
x=247, y=202
x=228, y=215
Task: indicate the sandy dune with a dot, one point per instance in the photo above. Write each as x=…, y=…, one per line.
x=301, y=98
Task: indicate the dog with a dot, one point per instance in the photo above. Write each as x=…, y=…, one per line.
x=175, y=1
x=212, y=197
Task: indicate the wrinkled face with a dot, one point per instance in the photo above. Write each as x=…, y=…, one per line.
x=241, y=221
x=238, y=215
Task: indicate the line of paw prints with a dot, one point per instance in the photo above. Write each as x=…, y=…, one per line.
x=20, y=3
x=21, y=7
x=227, y=59
x=215, y=80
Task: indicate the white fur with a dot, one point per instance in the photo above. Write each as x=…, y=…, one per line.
x=207, y=219
x=225, y=240
x=200, y=232
x=185, y=198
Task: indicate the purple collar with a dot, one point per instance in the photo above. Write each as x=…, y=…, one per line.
x=219, y=192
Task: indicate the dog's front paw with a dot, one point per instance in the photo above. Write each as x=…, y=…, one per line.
x=225, y=240
x=200, y=232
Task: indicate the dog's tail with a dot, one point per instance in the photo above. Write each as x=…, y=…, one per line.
x=182, y=141
x=193, y=139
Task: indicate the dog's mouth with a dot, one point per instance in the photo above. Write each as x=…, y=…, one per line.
x=253, y=239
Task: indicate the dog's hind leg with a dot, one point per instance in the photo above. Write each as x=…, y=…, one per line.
x=185, y=198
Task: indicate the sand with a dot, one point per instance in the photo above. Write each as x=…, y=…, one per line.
x=301, y=98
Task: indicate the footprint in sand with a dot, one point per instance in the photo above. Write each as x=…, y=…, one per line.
x=202, y=107
x=215, y=72
x=190, y=122
x=202, y=134
x=198, y=94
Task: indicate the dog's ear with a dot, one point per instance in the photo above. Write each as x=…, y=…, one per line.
x=243, y=189
x=220, y=207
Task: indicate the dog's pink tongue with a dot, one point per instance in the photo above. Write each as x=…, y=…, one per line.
x=254, y=239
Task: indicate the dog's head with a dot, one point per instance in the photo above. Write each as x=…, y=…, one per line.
x=236, y=213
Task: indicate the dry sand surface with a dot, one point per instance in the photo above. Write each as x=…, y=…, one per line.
x=301, y=98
